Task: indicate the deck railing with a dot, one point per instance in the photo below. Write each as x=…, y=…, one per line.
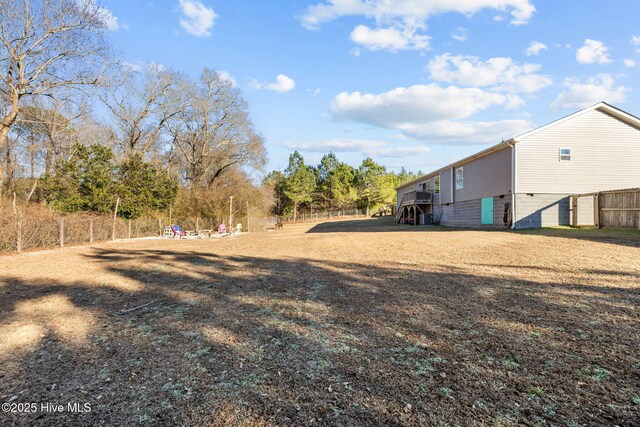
x=416, y=197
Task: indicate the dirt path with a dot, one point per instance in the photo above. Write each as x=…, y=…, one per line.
x=358, y=322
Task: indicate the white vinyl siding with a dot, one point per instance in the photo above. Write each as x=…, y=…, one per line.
x=604, y=156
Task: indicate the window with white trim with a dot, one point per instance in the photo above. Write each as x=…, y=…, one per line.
x=436, y=185
x=565, y=154
x=459, y=178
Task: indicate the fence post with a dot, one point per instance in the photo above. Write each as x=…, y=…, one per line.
x=91, y=230
x=19, y=234
x=115, y=217
x=596, y=210
x=160, y=226
x=62, y=233
x=129, y=229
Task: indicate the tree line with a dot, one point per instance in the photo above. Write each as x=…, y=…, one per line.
x=80, y=129
x=333, y=185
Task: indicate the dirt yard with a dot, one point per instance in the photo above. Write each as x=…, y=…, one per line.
x=347, y=323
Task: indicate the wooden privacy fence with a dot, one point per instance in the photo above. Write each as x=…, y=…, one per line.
x=614, y=209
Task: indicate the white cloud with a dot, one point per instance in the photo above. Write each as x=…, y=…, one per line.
x=535, y=48
x=502, y=74
x=595, y=89
x=283, y=84
x=374, y=148
x=593, y=52
x=461, y=34
x=107, y=17
x=140, y=66
x=635, y=40
x=226, y=76
x=431, y=113
x=398, y=21
x=391, y=39
x=629, y=63
x=197, y=18
x=466, y=132
x=412, y=12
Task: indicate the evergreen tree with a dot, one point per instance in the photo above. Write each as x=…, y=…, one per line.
x=90, y=180
x=142, y=188
x=84, y=182
x=300, y=182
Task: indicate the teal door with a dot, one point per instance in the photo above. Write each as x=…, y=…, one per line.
x=487, y=211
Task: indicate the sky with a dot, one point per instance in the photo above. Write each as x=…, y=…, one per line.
x=411, y=83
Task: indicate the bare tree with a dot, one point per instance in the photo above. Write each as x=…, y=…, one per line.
x=142, y=104
x=47, y=129
x=213, y=132
x=46, y=45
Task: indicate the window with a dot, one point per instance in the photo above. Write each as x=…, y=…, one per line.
x=436, y=185
x=427, y=186
x=424, y=186
x=459, y=178
x=565, y=154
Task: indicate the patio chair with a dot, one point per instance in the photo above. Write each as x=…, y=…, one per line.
x=178, y=232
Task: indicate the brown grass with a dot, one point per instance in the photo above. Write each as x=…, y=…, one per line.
x=346, y=323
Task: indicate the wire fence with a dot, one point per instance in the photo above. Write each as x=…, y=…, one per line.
x=324, y=216
x=38, y=227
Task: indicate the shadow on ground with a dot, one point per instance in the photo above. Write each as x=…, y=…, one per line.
x=372, y=225
x=627, y=237
x=247, y=340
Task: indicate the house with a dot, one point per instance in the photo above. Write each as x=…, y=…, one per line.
x=527, y=180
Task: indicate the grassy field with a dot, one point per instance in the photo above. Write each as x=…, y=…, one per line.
x=360, y=322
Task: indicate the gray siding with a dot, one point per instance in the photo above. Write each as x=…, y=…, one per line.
x=468, y=213
x=445, y=187
x=542, y=210
x=604, y=150
x=487, y=176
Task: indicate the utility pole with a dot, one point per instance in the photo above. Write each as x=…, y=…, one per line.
x=230, y=211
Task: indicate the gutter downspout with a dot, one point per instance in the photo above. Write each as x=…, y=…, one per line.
x=514, y=165
x=452, y=183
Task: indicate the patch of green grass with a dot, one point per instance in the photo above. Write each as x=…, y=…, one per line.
x=503, y=421
x=600, y=374
x=447, y=391
x=536, y=391
x=251, y=379
x=636, y=399
x=511, y=362
x=256, y=355
x=323, y=364
x=549, y=410
x=343, y=348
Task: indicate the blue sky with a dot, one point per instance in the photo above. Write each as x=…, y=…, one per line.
x=414, y=83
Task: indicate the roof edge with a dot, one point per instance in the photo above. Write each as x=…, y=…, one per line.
x=602, y=106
